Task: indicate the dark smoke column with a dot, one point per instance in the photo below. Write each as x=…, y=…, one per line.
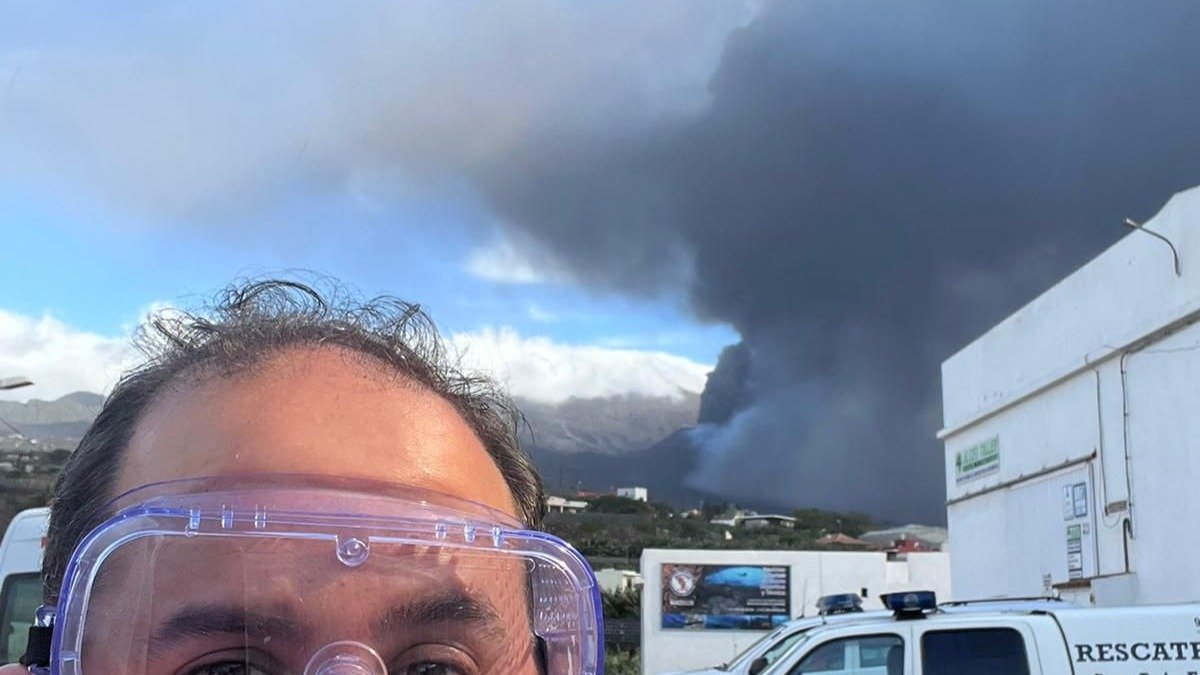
x=873, y=184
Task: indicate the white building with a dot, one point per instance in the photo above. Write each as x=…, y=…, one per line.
x=640, y=494
x=808, y=576
x=756, y=520
x=556, y=504
x=1072, y=431
x=611, y=579
x=934, y=538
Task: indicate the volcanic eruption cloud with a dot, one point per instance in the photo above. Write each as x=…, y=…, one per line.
x=862, y=187
x=871, y=185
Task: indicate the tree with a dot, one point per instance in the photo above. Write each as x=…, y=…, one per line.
x=818, y=520
x=615, y=504
x=623, y=603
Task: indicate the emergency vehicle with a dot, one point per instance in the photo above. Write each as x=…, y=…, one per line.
x=768, y=649
x=920, y=638
x=20, y=579
x=838, y=609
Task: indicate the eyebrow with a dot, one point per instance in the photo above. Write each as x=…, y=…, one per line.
x=206, y=620
x=449, y=607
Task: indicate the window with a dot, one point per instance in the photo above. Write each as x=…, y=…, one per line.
x=772, y=655
x=991, y=651
x=870, y=655
x=19, y=599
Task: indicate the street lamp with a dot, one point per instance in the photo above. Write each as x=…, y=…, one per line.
x=14, y=382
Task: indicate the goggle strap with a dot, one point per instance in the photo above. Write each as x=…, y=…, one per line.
x=37, y=648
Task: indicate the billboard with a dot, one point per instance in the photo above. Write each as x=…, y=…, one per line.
x=746, y=597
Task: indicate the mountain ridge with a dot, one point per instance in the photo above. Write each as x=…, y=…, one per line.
x=582, y=443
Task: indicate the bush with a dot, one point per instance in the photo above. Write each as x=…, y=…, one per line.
x=625, y=603
x=621, y=662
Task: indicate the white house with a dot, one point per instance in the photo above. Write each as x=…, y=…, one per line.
x=640, y=494
x=556, y=504
x=611, y=579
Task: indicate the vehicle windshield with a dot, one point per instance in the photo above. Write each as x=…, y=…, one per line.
x=754, y=646
x=783, y=657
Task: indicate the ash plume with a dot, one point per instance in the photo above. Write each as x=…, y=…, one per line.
x=872, y=184
x=863, y=187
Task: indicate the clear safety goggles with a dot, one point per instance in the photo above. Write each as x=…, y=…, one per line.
x=284, y=576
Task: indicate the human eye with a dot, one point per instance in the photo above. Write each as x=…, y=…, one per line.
x=430, y=668
x=238, y=663
x=434, y=660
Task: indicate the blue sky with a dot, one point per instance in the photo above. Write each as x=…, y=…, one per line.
x=97, y=269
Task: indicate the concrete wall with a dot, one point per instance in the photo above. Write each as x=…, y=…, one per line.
x=1096, y=382
x=813, y=574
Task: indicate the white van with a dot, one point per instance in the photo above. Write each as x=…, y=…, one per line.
x=779, y=642
x=20, y=579
x=921, y=639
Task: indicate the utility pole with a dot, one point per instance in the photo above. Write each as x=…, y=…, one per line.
x=14, y=382
x=7, y=383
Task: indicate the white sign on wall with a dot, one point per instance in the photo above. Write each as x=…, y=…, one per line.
x=978, y=460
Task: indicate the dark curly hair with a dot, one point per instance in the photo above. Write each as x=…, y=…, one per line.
x=249, y=322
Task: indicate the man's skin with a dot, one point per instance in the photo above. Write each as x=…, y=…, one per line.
x=321, y=411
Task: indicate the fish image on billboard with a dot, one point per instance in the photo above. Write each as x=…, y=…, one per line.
x=737, y=576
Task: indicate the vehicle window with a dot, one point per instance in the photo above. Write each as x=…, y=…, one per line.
x=782, y=647
x=873, y=651
x=870, y=655
x=19, y=599
x=991, y=651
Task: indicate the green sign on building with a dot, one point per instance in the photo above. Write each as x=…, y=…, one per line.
x=978, y=460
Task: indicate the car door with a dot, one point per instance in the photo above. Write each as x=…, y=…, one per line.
x=851, y=651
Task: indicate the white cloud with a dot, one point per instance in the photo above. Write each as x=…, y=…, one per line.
x=540, y=369
x=58, y=359
x=61, y=359
x=507, y=262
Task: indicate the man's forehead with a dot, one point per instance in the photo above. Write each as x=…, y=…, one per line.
x=317, y=411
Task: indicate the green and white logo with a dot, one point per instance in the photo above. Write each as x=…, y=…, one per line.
x=978, y=460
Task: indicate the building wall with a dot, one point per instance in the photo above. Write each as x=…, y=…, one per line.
x=813, y=574
x=1163, y=384
x=617, y=580
x=640, y=494
x=1099, y=374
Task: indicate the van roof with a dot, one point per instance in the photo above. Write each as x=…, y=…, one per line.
x=30, y=523
x=21, y=546
x=955, y=608
x=1073, y=619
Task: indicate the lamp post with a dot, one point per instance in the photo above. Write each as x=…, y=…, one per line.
x=7, y=383
x=14, y=382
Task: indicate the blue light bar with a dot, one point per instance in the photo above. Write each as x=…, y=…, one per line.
x=840, y=603
x=910, y=604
